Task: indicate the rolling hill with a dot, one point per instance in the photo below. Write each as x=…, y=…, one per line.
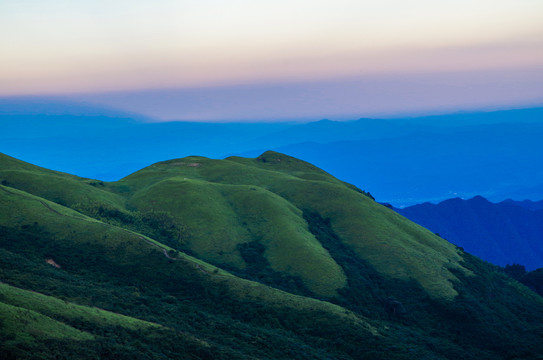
x=269, y=257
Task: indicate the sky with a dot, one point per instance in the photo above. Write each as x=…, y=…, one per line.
x=193, y=57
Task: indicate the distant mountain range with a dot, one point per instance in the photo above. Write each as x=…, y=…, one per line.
x=502, y=233
x=242, y=258
x=527, y=204
x=402, y=161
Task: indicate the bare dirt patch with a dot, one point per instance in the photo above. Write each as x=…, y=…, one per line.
x=52, y=263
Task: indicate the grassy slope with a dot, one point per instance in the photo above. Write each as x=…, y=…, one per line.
x=264, y=200
x=366, y=226
x=69, y=225
x=25, y=325
x=225, y=203
x=123, y=247
x=55, y=186
x=83, y=246
x=51, y=310
x=221, y=217
x=369, y=228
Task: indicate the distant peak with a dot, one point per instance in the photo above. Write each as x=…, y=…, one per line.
x=479, y=198
x=273, y=156
x=272, y=153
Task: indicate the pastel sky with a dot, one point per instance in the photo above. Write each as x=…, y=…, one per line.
x=131, y=46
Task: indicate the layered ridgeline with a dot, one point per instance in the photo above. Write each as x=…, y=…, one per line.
x=240, y=258
x=403, y=161
x=509, y=232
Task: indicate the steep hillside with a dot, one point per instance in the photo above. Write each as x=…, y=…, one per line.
x=503, y=233
x=240, y=258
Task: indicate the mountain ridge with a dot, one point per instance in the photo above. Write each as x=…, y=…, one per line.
x=379, y=144
x=502, y=233
x=194, y=245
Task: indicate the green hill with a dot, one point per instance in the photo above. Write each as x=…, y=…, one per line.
x=240, y=258
x=238, y=201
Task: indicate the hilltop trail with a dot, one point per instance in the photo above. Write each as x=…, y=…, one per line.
x=164, y=251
